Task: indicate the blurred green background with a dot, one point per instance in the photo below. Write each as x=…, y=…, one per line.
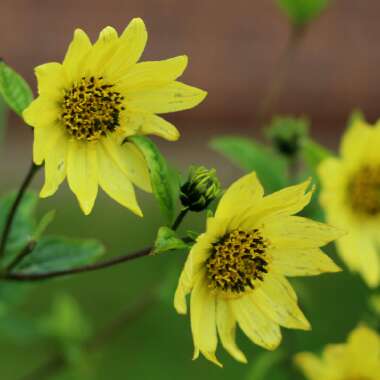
x=333, y=70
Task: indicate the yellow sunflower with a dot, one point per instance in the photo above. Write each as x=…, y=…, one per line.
x=358, y=359
x=91, y=102
x=236, y=270
x=351, y=198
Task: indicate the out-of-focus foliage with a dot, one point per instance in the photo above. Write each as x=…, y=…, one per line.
x=250, y=155
x=301, y=12
x=165, y=182
x=14, y=89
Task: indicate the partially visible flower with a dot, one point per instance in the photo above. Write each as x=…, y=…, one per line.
x=358, y=359
x=200, y=189
x=236, y=270
x=351, y=198
x=88, y=105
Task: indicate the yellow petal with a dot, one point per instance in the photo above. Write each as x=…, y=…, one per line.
x=150, y=124
x=152, y=74
x=102, y=51
x=355, y=142
x=82, y=173
x=278, y=304
x=364, y=347
x=360, y=253
x=115, y=182
x=302, y=262
x=311, y=366
x=43, y=111
x=287, y=201
x=193, y=266
x=175, y=96
x=256, y=325
x=226, y=324
x=55, y=166
x=203, y=323
x=130, y=161
x=77, y=52
x=131, y=45
x=243, y=194
x=298, y=232
x=51, y=79
x=44, y=139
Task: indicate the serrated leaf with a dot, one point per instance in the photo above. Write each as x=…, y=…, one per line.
x=55, y=253
x=24, y=222
x=167, y=240
x=14, y=89
x=301, y=12
x=163, y=183
x=252, y=156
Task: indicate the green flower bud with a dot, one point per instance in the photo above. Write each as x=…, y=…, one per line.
x=200, y=189
x=287, y=134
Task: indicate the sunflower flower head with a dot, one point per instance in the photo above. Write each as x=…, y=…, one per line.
x=236, y=271
x=91, y=103
x=351, y=198
x=200, y=189
x=357, y=359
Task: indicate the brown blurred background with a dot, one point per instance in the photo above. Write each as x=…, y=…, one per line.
x=234, y=49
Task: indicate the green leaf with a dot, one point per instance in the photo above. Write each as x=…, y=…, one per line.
x=249, y=155
x=3, y=114
x=43, y=224
x=14, y=89
x=54, y=253
x=313, y=154
x=165, y=182
x=24, y=222
x=301, y=12
x=167, y=240
x=19, y=329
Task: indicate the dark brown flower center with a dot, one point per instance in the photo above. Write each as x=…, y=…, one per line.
x=91, y=108
x=237, y=261
x=364, y=191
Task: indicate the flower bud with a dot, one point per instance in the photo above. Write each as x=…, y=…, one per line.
x=287, y=134
x=200, y=189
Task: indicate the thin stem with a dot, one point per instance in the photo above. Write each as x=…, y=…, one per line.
x=278, y=80
x=21, y=256
x=179, y=219
x=9, y=221
x=82, y=269
x=57, y=363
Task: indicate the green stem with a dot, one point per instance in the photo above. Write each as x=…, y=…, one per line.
x=12, y=213
x=30, y=277
x=179, y=219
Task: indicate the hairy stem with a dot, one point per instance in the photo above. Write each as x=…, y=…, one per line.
x=10, y=218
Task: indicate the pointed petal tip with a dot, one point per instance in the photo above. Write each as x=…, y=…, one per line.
x=212, y=358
